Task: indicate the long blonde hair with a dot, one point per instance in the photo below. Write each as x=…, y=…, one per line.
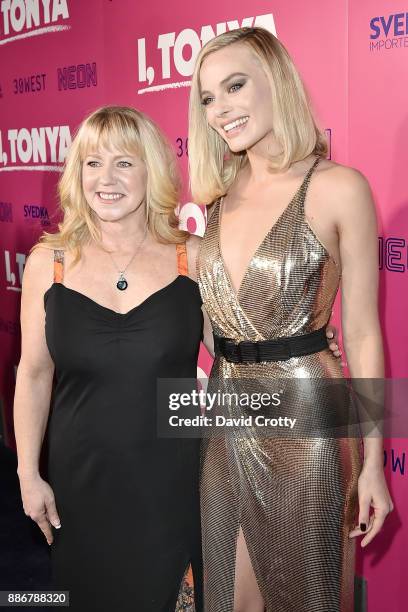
x=213, y=167
x=131, y=131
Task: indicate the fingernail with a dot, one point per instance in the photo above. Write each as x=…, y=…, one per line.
x=330, y=334
x=57, y=526
x=363, y=526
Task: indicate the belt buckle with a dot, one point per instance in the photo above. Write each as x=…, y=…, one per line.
x=230, y=350
x=253, y=357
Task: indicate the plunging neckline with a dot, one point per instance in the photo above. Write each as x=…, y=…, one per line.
x=237, y=292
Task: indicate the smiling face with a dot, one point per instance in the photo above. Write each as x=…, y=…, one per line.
x=236, y=95
x=114, y=183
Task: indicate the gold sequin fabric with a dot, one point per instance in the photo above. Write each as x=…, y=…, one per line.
x=295, y=499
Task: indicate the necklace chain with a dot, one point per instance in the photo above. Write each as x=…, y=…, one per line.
x=122, y=283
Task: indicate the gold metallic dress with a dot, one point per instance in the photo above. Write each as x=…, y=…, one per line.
x=295, y=499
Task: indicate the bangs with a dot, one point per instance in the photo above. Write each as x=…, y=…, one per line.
x=111, y=131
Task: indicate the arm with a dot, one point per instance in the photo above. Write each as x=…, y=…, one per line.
x=33, y=392
x=361, y=331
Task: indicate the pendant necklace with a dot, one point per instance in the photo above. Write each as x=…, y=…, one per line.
x=122, y=283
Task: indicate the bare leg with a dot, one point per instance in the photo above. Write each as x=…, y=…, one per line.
x=247, y=596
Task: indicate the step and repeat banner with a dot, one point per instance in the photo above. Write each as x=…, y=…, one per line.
x=61, y=59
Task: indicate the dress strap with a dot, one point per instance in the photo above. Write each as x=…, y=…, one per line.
x=301, y=195
x=58, y=266
x=309, y=173
x=182, y=263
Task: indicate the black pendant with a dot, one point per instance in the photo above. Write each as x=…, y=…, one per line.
x=122, y=283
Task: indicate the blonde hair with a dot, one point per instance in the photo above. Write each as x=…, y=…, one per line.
x=213, y=167
x=131, y=131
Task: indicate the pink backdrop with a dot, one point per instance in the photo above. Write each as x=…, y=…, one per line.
x=59, y=63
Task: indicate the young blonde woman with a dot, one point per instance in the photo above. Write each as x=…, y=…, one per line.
x=122, y=309
x=278, y=515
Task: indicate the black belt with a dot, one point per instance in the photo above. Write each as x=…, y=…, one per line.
x=270, y=350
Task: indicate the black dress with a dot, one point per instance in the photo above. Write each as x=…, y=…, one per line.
x=128, y=500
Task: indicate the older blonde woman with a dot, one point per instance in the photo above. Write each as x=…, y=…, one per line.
x=279, y=514
x=122, y=309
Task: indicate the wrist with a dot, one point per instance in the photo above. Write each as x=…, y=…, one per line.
x=373, y=464
x=27, y=473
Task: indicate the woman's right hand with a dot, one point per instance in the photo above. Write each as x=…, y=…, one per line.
x=39, y=504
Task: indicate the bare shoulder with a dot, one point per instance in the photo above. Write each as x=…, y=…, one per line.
x=345, y=189
x=38, y=270
x=341, y=178
x=39, y=259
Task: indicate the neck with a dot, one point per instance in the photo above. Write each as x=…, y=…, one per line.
x=259, y=156
x=258, y=169
x=124, y=235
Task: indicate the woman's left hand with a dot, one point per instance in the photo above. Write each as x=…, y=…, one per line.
x=332, y=341
x=372, y=492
